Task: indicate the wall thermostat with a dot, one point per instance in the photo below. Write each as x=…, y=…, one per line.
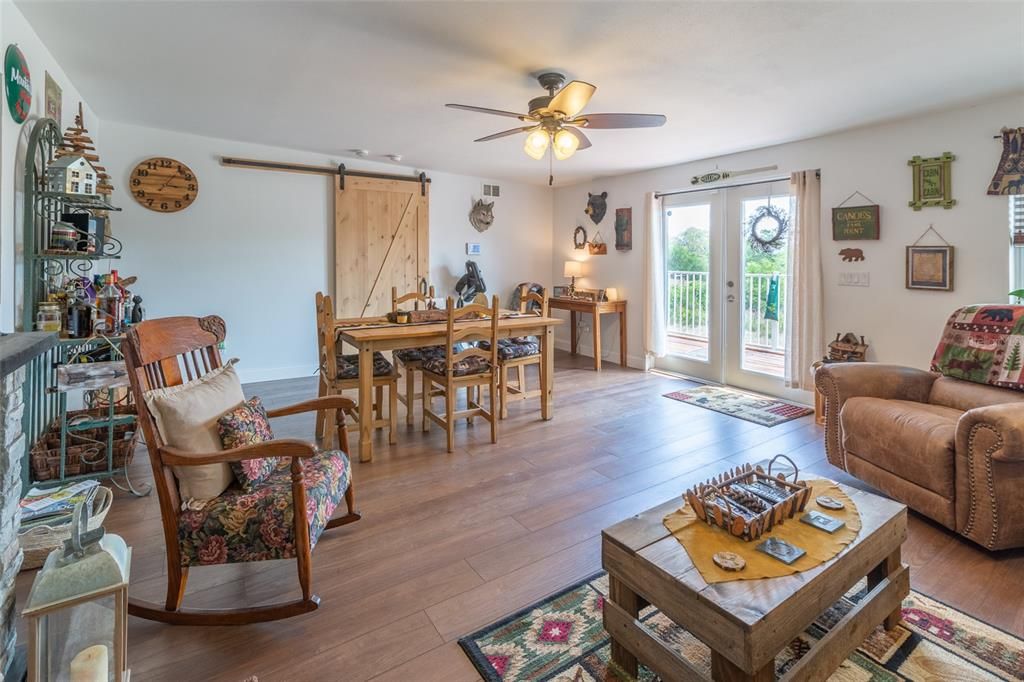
x=472, y=249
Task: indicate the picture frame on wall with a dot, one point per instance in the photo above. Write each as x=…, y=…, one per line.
x=932, y=181
x=559, y=291
x=930, y=268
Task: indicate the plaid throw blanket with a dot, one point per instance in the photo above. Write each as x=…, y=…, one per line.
x=983, y=344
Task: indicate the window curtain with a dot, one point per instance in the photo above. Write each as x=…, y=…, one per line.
x=805, y=337
x=1009, y=175
x=655, y=327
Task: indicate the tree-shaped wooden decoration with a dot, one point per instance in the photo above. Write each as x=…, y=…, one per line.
x=78, y=143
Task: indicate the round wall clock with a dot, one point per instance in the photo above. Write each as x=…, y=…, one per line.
x=164, y=185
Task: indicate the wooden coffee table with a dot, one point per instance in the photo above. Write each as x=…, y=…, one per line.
x=747, y=622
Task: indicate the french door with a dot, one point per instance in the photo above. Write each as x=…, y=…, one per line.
x=726, y=293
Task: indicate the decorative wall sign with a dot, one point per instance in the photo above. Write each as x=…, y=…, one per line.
x=597, y=206
x=1009, y=175
x=767, y=229
x=851, y=255
x=623, y=229
x=481, y=216
x=17, y=83
x=54, y=98
x=933, y=181
x=597, y=247
x=930, y=267
x=717, y=175
x=856, y=222
x=579, y=237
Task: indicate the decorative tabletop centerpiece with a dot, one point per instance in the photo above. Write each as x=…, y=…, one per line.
x=747, y=501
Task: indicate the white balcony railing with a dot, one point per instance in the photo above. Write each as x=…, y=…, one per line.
x=688, y=308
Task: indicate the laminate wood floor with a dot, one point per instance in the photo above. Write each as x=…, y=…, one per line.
x=451, y=542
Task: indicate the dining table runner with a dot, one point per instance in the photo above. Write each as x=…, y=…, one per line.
x=701, y=540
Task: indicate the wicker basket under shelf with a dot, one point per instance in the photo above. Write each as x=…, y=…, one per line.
x=39, y=541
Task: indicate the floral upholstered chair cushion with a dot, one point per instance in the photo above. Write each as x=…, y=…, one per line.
x=408, y=355
x=243, y=525
x=248, y=424
x=348, y=365
x=515, y=347
x=474, y=364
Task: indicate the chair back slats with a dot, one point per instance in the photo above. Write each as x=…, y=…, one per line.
x=526, y=297
x=326, y=336
x=415, y=296
x=485, y=329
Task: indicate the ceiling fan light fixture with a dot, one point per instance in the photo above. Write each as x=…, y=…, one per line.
x=536, y=144
x=565, y=144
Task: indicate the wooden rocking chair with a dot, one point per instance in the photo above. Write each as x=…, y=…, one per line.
x=168, y=352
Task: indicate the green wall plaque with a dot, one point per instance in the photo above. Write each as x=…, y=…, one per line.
x=856, y=222
x=933, y=181
x=18, y=84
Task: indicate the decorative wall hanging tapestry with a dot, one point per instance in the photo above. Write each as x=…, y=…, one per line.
x=623, y=229
x=933, y=181
x=481, y=216
x=579, y=237
x=1009, y=175
x=18, y=84
x=767, y=229
x=597, y=206
x=856, y=222
x=930, y=267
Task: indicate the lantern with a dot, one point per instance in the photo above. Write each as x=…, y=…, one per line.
x=77, y=610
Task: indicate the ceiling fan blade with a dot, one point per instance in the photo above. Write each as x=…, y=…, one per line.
x=504, y=133
x=598, y=121
x=484, y=110
x=584, y=140
x=571, y=99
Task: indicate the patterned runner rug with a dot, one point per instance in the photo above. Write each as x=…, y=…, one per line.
x=562, y=638
x=753, y=408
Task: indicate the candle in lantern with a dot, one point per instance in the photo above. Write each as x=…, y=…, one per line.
x=90, y=665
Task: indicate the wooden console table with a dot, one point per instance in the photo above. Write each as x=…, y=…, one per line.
x=576, y=306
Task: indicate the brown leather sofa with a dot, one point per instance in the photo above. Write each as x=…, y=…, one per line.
x=950, y=449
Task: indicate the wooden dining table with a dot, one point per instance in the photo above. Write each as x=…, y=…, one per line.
x=369, y=335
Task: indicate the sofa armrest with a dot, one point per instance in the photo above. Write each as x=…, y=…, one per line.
x=989, y=473
x=838, y=382
x=994, y=430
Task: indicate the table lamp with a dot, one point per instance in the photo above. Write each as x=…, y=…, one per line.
x=573, y=269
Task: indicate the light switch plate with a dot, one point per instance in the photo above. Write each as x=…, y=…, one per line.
x=472, y=249
x=854, y=279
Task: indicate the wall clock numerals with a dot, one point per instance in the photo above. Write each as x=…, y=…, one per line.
x=164, y=185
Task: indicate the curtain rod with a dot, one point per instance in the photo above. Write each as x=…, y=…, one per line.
x=659, y=195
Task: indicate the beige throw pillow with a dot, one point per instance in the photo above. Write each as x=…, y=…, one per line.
x=186, y=417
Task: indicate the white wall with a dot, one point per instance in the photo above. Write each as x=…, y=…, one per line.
x=13, y=141
x=901, y=325
x=256, y=245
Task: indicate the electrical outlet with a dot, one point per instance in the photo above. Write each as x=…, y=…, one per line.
x=854, y=279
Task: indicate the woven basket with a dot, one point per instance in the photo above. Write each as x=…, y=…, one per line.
x=39, y=541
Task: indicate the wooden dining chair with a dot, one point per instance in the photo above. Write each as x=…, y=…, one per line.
x=340, y=371
x=470, y=368
x=294, y=504
x=519, y=352
x=410, y=359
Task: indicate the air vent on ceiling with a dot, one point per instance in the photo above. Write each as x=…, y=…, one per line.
x=492, y=191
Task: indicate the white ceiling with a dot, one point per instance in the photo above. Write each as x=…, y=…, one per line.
x=334, y=76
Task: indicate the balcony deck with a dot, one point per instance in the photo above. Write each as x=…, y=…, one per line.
x=755, y=359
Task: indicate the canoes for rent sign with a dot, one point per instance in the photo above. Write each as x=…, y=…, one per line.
x=18, y=84
x=855, y=222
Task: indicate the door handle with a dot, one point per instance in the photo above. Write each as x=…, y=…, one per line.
x=731, y=298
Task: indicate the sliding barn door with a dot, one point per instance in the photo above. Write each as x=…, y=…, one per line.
x=381, y=235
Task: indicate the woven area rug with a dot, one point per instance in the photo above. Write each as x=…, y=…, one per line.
x=562, y=638
x=747, y=406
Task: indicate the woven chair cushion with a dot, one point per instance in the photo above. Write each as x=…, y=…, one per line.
x=242, y=526
x=348, y=365
x=515, y=347
x=407, y=355
x=474, y=364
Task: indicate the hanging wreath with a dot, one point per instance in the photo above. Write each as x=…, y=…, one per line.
x=579, y=237
x=767, y=229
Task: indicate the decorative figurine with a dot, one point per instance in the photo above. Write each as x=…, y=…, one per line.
x=481, y=216
x=72, y=175
x=729, y=561
x=138, y=312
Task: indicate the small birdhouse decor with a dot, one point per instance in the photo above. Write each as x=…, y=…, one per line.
x=77, y=612
x=72, y=175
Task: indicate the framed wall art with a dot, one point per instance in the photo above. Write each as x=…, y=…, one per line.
x=856, y=222
x=930, y=267
x=933, y=181
x=623, y=229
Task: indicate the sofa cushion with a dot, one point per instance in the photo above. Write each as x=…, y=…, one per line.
x=965, y=395
x=915, y=441
x=983, y=344
x=253, y=525
x=248, y=424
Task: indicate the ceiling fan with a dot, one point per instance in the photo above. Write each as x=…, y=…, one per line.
x=555, y=119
